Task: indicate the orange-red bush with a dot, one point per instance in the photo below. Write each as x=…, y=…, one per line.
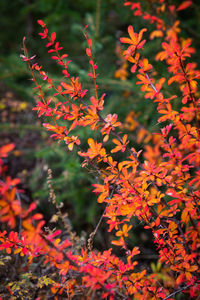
x=161, y=189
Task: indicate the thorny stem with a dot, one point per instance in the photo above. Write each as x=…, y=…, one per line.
x=192, y=96
x=34, y=79
x=92, y=234
x=178, y=291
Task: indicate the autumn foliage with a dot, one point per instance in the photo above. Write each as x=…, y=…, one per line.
x=159, y=186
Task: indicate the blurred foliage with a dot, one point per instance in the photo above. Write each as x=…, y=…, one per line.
x=108, y=21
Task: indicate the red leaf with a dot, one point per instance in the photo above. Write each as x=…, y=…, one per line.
x=90, y=42
x=88, y=52
x=184, y=5
x=53, y=37
x=91, y=75
x=55, y=57
x=40, y=22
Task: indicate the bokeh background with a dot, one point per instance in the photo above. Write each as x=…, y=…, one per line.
x=35, y=152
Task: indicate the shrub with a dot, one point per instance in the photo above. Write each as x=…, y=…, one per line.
x=159, y=187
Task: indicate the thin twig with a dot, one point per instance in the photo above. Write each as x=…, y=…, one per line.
x=178, y=291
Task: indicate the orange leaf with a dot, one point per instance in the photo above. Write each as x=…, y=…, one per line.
x=5, y=149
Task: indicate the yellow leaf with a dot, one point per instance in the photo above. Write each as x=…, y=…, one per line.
x=17, y=250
